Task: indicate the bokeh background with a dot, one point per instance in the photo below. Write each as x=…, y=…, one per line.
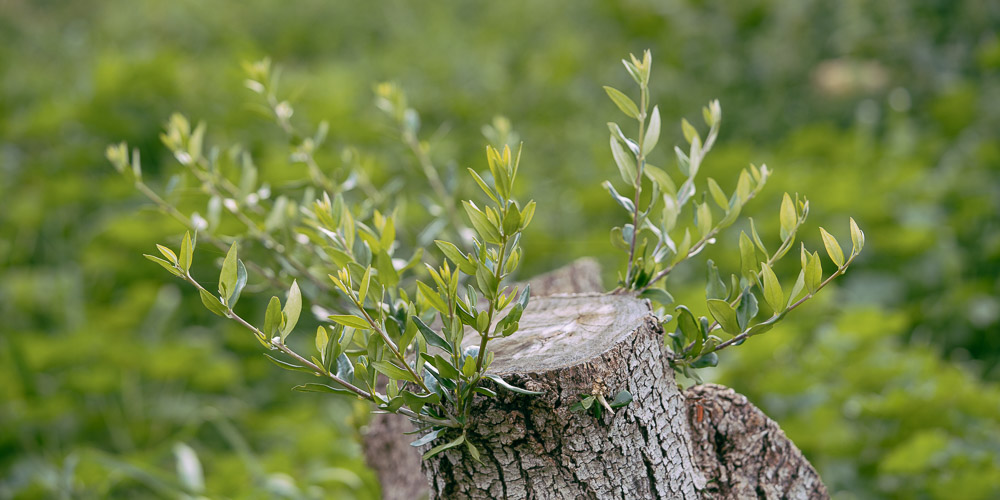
x=114, y=376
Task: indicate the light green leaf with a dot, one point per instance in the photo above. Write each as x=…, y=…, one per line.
x=365, y=283
x=748, y=258
x=439, y=448
x=832, y=248
x=787, y=216
x=624, y=161
x=433, y=298
x=351, y=321
x=658, y=295
x=717, y=194
x=690, y=133
x=773, y=294
x=704, y=216
x=485, y=187
x=623, y=102
x=725, y=315
x=456, y=256
x=392, y=371
x=228, y=276
x=857, y=238
x=512, y=220
x=166, y=265
x=813, y=272
x=661, y=178
x=293, y=306
x=187, y=252
x=652, y=133
x=323, y=388
x=213, y=303
x=168, y=253
x=623, y=201
x=503, y=383
x=322, y=339
x=486, y=229
x=273, y=318
x=469, y=367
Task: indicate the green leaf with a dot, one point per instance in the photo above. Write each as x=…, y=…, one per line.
x=228, y=276
x=773, y=294
x=690, y=133
x=623, y=201
x=289, y=366
x=365, y=283
x=323, y=388
x=273, y=318
x=166, y=265
x=439, y=448
x=432, y=297
x=623, y=398
x=512, y=220
x=241, y=282
x=623, y=102
x=832, y=248
x=351, y=321
x=168, y=253
x=430, y=336
x=624, y=161
x=392, y=371
x=747, y=309
x=485, y=187
x=813, y=272
x=687, y=324
x=725, y=315
x=482, y=224
x=187, y=252
x=704, y=216
x=427, y=438
x=652, y=132
x=857, y=238
x=473, y=450
x=503, y=383
x=715, y=288
x=718, y=195
x=213, y=303
x=787, y=216
x=322, y=339
x=748, y=258
x=293, y=306
x=387, y=274
x=469, y=367
x=456, y=257
x=710, y=359
x=661, y=178
x=658, y=295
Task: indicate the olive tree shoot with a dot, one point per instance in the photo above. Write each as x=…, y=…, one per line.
x=485, y=383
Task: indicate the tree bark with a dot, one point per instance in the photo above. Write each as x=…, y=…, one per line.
x=707, y=442
x=536, y=447
x=387, y=449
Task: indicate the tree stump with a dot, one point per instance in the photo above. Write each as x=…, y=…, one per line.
x=708, y=442
x=536, y=447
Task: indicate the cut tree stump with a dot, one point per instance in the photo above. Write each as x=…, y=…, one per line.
x=710, y=444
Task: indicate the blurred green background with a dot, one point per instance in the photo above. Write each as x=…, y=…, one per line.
x=113, y=374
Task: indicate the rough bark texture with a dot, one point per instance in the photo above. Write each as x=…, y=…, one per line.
x=387, y=450
x=536, y=447
x=743, y=453
x=709, y=442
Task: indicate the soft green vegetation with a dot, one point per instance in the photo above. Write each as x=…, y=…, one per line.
x=886, y=112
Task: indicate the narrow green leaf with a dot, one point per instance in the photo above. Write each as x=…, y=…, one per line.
x=725, y=315
x=228, y=275
x=485, y=187
x=787, y=216
x=624, y=161
x=658, y=295
x=273, y=318
x=439, y=448
x=187, y=252
x=704, y=216
x=289, y=366
x=748, y=258
x=503, y=383
x=652, y=132
x=661, y=178
x=323, y=388
x=486, y=229
x=365, y=284
x=351, y=321
x=430, y=336
x=456, y=257
x=623, y=201
x=213, y=303
x=857, y=238
x=392, y=371
x=690, y=133
x=293, y=306
x=322, y=339
x=715, y=288
x=512, y=220
x=813, y=272
x=718, y=195
x=832, y=248
x=469, y=367
x=166, y=265
x=432, y=297
x=747, y=309
x=241, y=282
x=773, y=294
x=623, y=102
x=168, y=253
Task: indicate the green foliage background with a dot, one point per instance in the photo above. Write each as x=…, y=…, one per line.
x=884, y=111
